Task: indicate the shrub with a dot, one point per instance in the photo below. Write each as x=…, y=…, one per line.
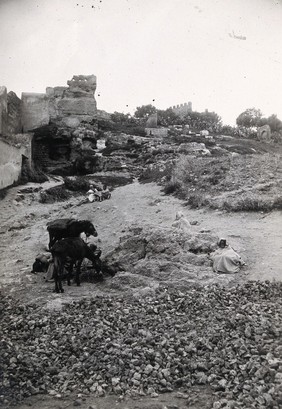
x=78, y=184
x=171, y=187
x=156, y=173
x=254, y=179
x=32, y=175
x=277, y=203
x=54, y=194
x=248, y=203
x=3, y=193
x=197, y=200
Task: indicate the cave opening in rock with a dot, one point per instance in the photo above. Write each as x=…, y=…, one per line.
x=59, y=150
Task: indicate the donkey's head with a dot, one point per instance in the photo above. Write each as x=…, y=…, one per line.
x=89, y=229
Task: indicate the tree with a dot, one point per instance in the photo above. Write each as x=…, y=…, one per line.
x=167, y=117
x=144, y=111
x=249, y=118
x=119, y=117
x=203, y=120
x=210, y=121
x=274, y=123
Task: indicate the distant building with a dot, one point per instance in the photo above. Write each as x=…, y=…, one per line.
x=182, y=109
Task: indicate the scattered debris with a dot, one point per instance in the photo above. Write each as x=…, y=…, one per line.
x=229, y=339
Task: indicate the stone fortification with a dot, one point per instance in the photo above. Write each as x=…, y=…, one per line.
x=182, y=109
x=13, y=155
x=3, y=110
x=51, y=119
x=264, y=133
x=152, y=121
x=14, y=125
x=35, y=111
x=64, y=106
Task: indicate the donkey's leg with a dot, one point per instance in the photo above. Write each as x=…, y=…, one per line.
x=60, y=285
x=77, y=278
x=57, y=288
x=56, y=274
x=70, y=270
x=51, y=240
x=60, y=271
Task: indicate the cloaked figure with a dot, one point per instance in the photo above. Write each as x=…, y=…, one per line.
x=225, y=259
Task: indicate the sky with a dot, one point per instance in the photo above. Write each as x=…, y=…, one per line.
x=222, y=55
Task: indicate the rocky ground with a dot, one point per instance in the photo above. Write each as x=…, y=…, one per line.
x=149, y=346
x=155, y=335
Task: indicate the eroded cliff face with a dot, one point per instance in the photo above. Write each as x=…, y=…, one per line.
x=58, y=149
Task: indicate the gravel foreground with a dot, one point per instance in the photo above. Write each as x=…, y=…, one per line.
x=226, y=338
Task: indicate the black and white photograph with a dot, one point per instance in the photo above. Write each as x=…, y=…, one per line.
x=141, y=204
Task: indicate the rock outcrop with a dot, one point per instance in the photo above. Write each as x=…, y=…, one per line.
x=64, y=151
x=166, y=255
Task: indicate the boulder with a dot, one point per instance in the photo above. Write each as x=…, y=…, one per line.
x=124, y=141
x=194, y=148
x=164, y=254
x=87, y=163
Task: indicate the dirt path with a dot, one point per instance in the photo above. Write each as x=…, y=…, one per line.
x=256, y=236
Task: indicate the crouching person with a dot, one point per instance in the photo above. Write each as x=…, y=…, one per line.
x=41, y=263
x=105, y=194
x=225, y=259
x=44, y=264
x=97, y=263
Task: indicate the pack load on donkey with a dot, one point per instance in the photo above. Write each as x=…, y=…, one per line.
x=61, y=228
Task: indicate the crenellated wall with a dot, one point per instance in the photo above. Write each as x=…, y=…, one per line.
x=182, y=109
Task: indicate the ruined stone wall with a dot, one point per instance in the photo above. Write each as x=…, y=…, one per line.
x=14, y=125
x=75, y=103
x=35, y=111
x=3, y=110
x=158, y=132
x=182, y=109
x=64, y=106
x=264, y=133
x=40, y=154
x=11, y=156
